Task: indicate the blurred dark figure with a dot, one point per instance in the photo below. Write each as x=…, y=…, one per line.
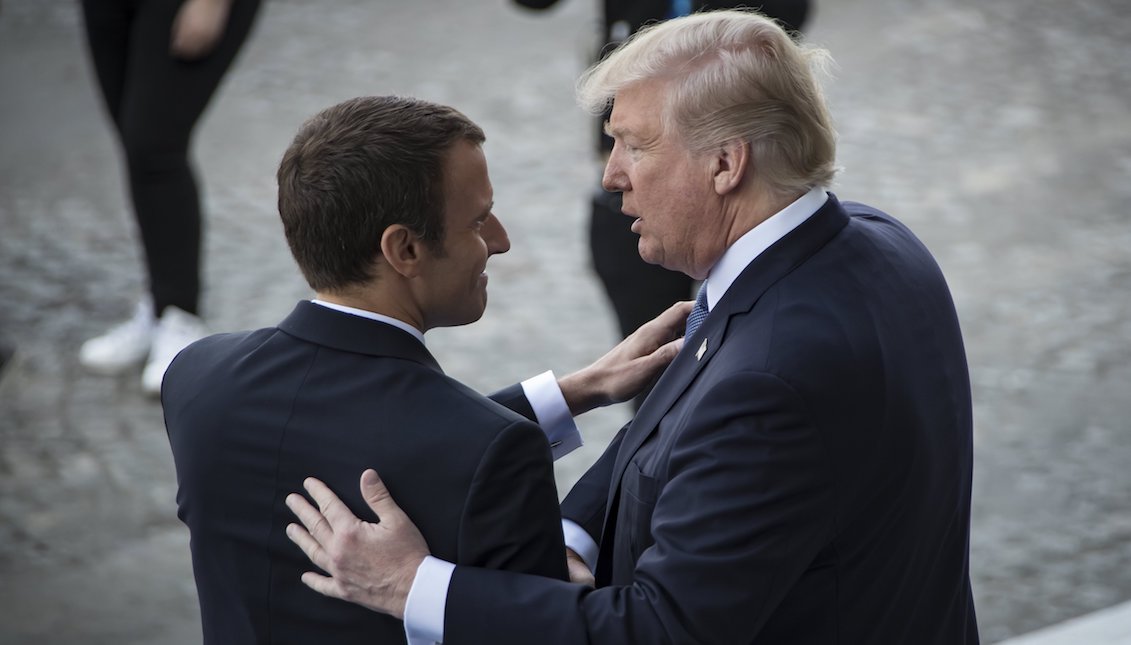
x=7, y=355
x=640, y=291
x=158, y=63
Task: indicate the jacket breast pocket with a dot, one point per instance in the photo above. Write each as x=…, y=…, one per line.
x=637, y=504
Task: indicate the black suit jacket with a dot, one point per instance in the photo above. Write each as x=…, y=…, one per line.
x=328, y=394
x=799, y=475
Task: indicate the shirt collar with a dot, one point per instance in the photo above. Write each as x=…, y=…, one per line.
x=740, y=254
x=399, y=324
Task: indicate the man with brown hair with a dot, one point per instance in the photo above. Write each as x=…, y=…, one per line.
x=387, y=207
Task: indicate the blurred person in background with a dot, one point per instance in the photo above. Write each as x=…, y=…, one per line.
x=7, y=355
x=639, y=291
x=158, y=63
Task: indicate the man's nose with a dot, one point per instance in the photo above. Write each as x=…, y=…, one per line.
x=614, y=180
x=496, y=236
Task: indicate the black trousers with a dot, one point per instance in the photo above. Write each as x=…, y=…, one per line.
x=155, y=101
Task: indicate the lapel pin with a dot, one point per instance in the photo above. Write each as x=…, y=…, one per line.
x=702, y=350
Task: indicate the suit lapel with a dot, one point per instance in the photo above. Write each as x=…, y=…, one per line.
x=772, y=265
x=349, y=333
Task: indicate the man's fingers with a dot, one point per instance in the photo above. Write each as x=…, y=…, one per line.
x=679, y=310
x=335, y=512
x=310, y=517
x=580, y=574
x=675, y=316
x=309, y=545
x=578, y=571
x=375, y=494
x=668, y=324
x=667, y=352
x=658, y=360
x=322, y=584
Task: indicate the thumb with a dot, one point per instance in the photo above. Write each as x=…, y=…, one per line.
x=375, y=494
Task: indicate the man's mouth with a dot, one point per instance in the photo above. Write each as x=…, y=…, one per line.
x=635, y=228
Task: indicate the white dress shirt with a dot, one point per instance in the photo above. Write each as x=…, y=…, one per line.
x=427, y=599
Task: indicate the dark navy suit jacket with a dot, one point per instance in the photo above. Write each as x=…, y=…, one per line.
x=329, y=394
x=800, y=475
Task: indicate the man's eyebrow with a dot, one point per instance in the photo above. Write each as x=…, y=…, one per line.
x=611, y=131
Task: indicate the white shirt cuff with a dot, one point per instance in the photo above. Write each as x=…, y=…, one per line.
x=552, y=412
x=577, y=539
x=426, y=602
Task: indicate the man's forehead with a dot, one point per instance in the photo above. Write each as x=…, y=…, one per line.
x=633, y=125
x=636, y=104
x=623, y=119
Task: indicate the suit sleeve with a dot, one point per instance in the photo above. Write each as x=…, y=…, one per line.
x=511, y=520
x=585, y=504
x=747, y=508
x=513, y=398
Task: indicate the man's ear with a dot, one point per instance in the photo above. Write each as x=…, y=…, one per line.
x=403, y=250
x=730, y=165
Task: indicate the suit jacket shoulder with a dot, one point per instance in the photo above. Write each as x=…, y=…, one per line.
x=327, y=394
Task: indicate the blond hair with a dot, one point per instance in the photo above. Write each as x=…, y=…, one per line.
x=734, y=75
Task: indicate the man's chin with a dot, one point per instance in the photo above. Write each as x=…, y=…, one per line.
x=474, y=316
x=661, y=261
x=465, y=317
x=647, y=254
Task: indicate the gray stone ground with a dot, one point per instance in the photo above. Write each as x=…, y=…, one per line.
x=1000, y=131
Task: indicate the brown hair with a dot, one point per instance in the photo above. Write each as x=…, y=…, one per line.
x=357, y=168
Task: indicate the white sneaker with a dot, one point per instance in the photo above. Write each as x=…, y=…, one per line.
x=176, y=330
x=124, y=346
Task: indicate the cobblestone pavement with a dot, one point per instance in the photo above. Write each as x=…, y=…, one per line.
x=999, y=131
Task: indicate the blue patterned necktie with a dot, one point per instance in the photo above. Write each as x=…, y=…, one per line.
x=698, y=312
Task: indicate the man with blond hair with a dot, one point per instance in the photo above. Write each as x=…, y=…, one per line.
x=801, y=473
